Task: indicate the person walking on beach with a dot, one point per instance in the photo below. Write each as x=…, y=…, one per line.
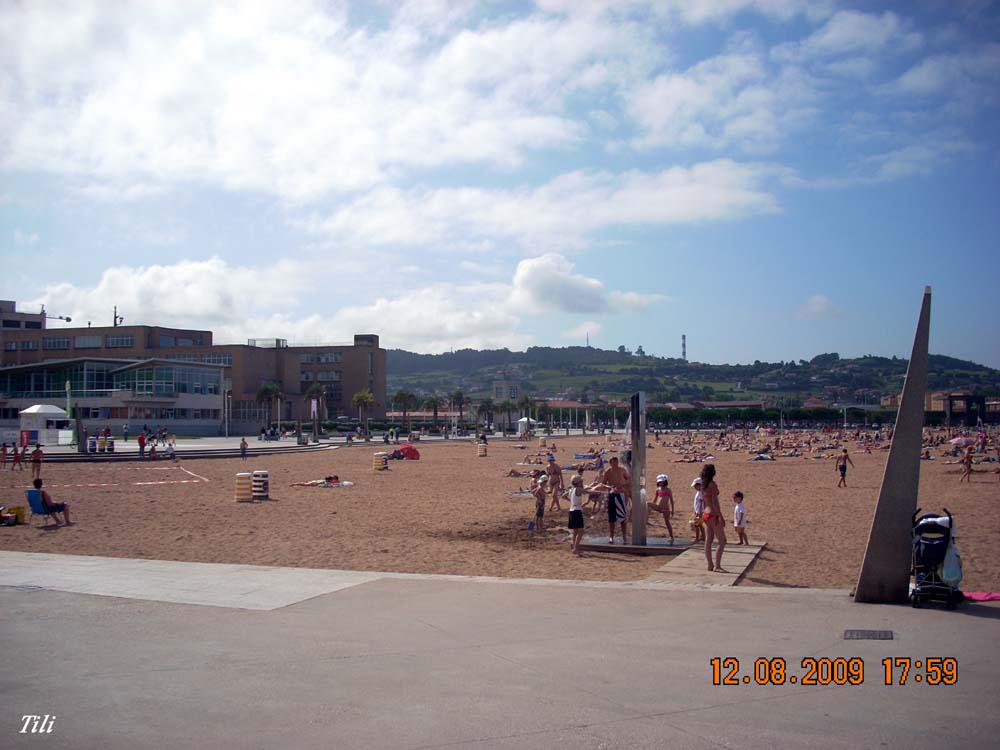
x=125, y=431
x=554, y=472
x=715, y=524
x=36, y=461
x=576, y=495
x=18, y=459
x=966, y=466
x=618, y=481
x=243, y=448
x=842, y=460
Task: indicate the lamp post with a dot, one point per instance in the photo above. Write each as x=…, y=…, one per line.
x=227, y=409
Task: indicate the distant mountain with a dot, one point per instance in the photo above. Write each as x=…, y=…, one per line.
x=593, y=374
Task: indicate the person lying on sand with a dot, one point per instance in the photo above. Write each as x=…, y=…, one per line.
x=331, y=481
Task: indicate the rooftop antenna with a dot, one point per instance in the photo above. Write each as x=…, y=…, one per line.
x=684, y=347
x=118, y=319
x=588, y=339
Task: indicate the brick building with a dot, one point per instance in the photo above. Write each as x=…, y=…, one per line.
x=340, y=369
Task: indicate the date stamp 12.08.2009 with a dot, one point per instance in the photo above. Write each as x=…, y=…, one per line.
x=811, y=670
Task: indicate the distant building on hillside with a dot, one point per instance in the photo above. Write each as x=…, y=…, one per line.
x=814, y=403
x=506, y=389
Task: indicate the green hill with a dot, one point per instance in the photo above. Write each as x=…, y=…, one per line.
x=593, y=374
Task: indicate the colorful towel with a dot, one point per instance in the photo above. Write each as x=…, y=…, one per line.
x=982, y=596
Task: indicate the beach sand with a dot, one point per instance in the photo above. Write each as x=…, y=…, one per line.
x=448, y=513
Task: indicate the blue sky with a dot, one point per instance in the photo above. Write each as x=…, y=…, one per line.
x=774, y=178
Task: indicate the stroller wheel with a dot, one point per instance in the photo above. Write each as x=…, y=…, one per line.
x=915, y=601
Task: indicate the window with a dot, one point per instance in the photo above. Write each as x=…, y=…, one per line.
x=218, y=359
x=11, y=323
x=326, y=376
x=306, y=377
x=123, y=342
x=87, y=342
x=185, y=342
x=371, y=363
x=326, y=358
x=305, y=359
x=55, y=342
x=167, y=340
x=29, y=346
x=32, y=324
x=10, y=346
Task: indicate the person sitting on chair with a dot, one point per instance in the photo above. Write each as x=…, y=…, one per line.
x=51, y=507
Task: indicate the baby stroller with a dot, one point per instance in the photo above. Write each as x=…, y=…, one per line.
x=937, y=569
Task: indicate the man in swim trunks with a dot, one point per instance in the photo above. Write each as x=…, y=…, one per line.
x=842, y=460
x=620, y=483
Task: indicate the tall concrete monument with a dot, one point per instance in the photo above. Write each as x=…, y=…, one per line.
x=885, y=572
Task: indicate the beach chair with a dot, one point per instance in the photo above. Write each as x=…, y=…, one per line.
x=37, y=506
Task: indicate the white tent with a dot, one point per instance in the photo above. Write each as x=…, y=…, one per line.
x=45, y=424
x=524, y=424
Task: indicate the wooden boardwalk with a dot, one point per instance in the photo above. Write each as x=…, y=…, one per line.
x=691, y=566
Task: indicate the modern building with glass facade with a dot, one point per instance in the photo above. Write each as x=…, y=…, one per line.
x=184, y=398
x=335, y=371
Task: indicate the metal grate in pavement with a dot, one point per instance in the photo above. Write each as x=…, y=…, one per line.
x=867, y=635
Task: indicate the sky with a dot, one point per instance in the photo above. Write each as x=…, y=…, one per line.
x=773, y=178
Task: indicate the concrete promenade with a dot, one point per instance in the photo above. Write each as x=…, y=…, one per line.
x=332, y=659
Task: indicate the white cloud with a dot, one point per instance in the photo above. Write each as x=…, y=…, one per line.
x=971, y=72
x=289, y=99
x=241, y=302
x=559, y=214
x=850, y=32
x=818, y=307
x=732, y=100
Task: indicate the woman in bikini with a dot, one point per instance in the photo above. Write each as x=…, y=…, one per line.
x=715, y=524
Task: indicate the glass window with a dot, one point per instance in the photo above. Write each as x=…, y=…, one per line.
x=326, y=358
x=120, y=341
x=11, y=323
x=306, y=359
x=167, y=340
x=10, y=346
x=29, y=346
x=55, y=342
x=306, y=376
x=327, y=376
x=87, y=342
x=32, y=324
x=185, y=342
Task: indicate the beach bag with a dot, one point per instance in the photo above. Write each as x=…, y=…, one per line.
x=951, y=568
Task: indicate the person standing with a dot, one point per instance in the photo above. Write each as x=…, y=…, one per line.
x=554, y=472
x=243, y=448
x=740, y=518
x=540, y=491
x=715, y=524
x=125, y=431
x=966, y=466
x=618, y=481
x=3, y=456
x=842, y=460
x=576, y=495
x=142, y=444
x=664, y=502
x=36, y=461
x=16, y=462
x=698, y=507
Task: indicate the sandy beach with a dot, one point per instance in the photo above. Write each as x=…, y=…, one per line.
x=450, y=513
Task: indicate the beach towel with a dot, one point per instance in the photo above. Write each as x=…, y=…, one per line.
x=584, y=456
x=982, y=596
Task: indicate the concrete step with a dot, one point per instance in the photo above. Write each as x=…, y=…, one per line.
x=692, y=567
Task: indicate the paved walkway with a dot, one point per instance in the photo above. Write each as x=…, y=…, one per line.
x=430, y=662
x=691, y=566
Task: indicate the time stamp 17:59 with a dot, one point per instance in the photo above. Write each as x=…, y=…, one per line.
x=931, y=670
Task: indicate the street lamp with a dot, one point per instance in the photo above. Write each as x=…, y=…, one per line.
x=67, y=318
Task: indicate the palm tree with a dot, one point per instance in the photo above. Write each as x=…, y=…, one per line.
x=405, y=401
x=459, y=401
x=486, y=407
x=507, y=407
x=361, y=401
x=267, y=392
x=434, y=402
x=526, y=404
